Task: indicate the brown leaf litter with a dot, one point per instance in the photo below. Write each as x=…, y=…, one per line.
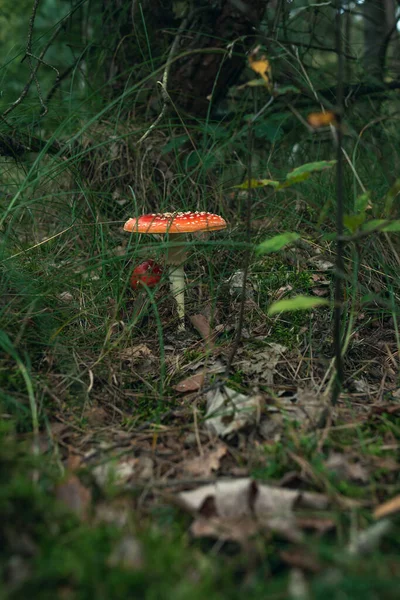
x=74, y=495
x=228, y=411
x=207, y=463
x=236, y=509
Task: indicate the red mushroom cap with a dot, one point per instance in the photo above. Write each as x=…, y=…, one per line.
x=180, y=222
x=147, y=273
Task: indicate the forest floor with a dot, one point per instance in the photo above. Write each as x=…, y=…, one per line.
x=157, y=474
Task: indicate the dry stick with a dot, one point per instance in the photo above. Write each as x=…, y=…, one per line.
x=248, y=250
x=164, y=83
x=39, y=59
x=29, y=55
x=337, y=341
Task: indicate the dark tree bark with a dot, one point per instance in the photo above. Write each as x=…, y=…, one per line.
x=202, y=77
x=210, y=24
x=379, y=28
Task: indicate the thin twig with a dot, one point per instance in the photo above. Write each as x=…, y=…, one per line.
x=29, y=55
x=248, y=249
x=164, y=82
x=39, y=60
x=337, y=334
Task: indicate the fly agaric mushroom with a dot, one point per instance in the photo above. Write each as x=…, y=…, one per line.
x=147, y=273
x=176, y=225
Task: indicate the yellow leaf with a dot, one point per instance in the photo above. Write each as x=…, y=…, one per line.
x=262, y=67
x=321, y=119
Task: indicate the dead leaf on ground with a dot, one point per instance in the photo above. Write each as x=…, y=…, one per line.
x=236, y=282
x=344, y=469
x=202, y=325
x=96, y=416
x=121, y=472
x=304, y=406
x=133, y=354
x=321, y=264
x=262, y=363
x=320, y=292
x=74, y=495
x=190, y=384
x=387, y=508
x=320, y=279
x=369, y=540
x=320, y=525
x=205, y=465
x=238, y=508
x=362, y=386
x=228, y=411
x=112, y=472
x=117, y=511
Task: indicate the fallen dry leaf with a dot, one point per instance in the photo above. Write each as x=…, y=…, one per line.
x=228, y=411
x=369, y=540
x=74, y=496
x=205, y=465
x=262, y=363
x=134, y=354
x=321, y=264
x=320, y=292
x=202, y=325
x=190, y=384
x=119, y=473
x=387, y=508
x=304, y=406
x=344, y=469
x=320, y=279
x=318, y=524
x=235, y=283
x=362, y=386
x=240, y=506
x=235, y=530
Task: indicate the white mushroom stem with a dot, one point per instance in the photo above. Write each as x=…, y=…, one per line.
x=177, y=279
x=176, y=257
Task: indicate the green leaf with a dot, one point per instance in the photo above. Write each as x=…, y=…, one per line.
x=257, y=183
x=309, y=168
x=362, y=202
x=175, y=143
x=254, y=83
x=277, y=242
x=286, y=89
x=382, y=225
x=391, y=195
x=296, y=303
x=294, y=179
x=271, y=131
x=354, y=222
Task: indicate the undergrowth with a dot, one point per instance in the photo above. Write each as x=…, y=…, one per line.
x=69, y=324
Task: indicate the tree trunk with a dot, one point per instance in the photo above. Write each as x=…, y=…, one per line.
x=378, y=21
x=210, y=24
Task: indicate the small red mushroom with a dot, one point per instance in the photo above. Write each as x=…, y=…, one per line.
x=176, y=225
x=147, y=273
